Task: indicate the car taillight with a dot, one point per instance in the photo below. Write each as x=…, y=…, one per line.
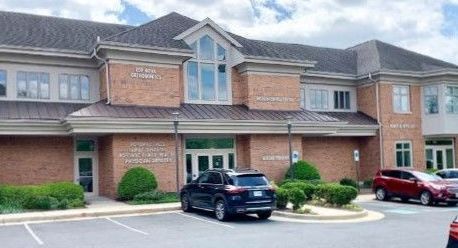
x=271, y=188
x=234, y=189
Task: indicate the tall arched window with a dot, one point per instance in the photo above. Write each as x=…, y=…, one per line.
x=207, y=72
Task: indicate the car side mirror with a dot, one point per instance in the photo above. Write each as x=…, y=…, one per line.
x=413, y=179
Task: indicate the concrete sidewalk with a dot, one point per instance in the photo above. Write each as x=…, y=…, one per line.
x=96, y=208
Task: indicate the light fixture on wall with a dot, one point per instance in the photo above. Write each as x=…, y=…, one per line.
x=175, y=129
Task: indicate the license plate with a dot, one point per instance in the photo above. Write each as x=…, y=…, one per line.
x=456, y=195
x=257, y=193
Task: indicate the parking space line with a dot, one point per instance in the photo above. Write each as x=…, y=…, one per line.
x=126, y=226
x=34, y=236
x=207, y=221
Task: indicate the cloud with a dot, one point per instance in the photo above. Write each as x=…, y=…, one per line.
x=424, y=26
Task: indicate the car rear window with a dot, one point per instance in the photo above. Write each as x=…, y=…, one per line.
x=248, y=180
x=452, y=174
x=392, y=173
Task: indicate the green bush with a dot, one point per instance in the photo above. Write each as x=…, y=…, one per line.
x=349, y=182
x=336, y=194
x=296, y=197
x=303, y=171
x=155, y=197
x=307, y=188
x=367, y=183
x=431, y=170
x=43, y=202
x=136, y=180
x=282, y=198
x=65, y=190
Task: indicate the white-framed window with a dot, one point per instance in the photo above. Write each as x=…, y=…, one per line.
x=401, y=99
x=2, y=83
x=206, y=73
x=318, y=99
x=302, y=95
x=451, y=99
x=431, y=100
x=341, y=99
x=73, y=87
x=403, y=153
x=32, y=85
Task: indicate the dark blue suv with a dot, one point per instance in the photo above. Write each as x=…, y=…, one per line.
x=229, y=192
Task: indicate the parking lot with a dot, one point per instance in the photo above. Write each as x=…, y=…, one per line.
x=404, y=225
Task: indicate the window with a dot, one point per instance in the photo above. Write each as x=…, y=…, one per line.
x=215, y=178
x=302, y=94
x=73, y=87
x=32, y=85
x=215, y=143
x=451, y=100
x=401, y=99
x=207, y=78
x=431, y=99
x=392, y=173
x=318, y=99
x=403, y=154
x=2, y=83
x=342, y=99
x=85, y=145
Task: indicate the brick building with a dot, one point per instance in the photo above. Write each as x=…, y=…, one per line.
x=84, y=101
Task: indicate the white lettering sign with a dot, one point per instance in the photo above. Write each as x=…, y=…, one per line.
x=402, y=126
x=146, y=153
x=275, y=157
x=145, y=73
x=274, y=99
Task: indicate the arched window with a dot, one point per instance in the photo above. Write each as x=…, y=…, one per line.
x=207, y=72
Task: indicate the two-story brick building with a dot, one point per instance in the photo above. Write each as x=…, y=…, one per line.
x=84, y=101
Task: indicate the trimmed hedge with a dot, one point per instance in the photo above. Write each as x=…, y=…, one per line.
x=336, y=194
x=349, y=182
x=137, y=180
x=155, y=197
x=307, y=188
x=282, y=198
x=296, y=197
x=60, y=195
x=303, y=171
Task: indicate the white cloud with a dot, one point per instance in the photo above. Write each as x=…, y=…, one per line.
x=413, y=24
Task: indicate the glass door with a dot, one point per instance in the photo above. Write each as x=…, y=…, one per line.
x=86, y=174
x=196, y=164
x=439, y=159
x=86, y=166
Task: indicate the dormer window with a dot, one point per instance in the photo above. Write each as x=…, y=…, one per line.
x=207, y=79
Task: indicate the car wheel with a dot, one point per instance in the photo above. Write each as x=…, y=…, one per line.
x=381, y=194
x=185, y=203
x=221, y=210
x=264, y=215
x=426, y=198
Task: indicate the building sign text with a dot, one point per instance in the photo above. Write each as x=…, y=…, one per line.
x=146, y=153
x=145, y=73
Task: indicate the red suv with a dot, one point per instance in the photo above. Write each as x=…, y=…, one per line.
x=414, y=185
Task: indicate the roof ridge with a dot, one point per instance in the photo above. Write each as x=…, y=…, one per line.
x=65, y=18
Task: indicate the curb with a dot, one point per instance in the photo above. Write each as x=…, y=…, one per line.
x=87, y=213
x=356, y=215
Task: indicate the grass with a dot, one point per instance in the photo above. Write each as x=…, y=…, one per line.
x=165, y=198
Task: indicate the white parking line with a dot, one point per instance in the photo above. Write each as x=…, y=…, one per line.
x=34, y=236
x=126, y=226
x=207, y=221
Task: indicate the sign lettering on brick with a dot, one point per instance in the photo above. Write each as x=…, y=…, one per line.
x=145, y=73
x=146, y=153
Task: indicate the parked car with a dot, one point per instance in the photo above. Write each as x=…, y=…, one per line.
x=230, y=192
x=408, y=184
x=453, y=236
x=448, y=174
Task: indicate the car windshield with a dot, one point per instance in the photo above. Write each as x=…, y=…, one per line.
x=452, y=174
x=249, y=180
x=427, y=177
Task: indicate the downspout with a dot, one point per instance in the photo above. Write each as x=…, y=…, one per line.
x=377, y=98
x=107, y=72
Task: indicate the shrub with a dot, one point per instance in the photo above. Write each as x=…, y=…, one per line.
x=10, y=207
x=303, y=171
x=296, y=197
x=431, y=170
x=367, y=183
x=349, y=182
x=307, y=188
x=336, y=194
x=282, y=198
x=136, y=180
x=155, y=197
x=76, y=203
x=43, y=202
x=65, y=190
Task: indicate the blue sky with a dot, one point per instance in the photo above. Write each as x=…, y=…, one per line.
x=425, y=26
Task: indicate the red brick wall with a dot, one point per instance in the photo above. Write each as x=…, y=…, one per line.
x=35, y=160
x=125, y=90
x=367, y=100
x=333, y=156
x=239, y=87
x=106, y=169
x=243, y=151
x=369, y=149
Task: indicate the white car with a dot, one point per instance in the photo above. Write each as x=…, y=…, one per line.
x=448, y=174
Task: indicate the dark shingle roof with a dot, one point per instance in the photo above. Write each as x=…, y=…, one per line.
x=20, y=110
x=219, y=112
x=375, y=55
x=26, y=30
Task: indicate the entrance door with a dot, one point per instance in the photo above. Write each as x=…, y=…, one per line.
x=85, y=173
x=196, y=164
x=439, y=157
x=86, y=166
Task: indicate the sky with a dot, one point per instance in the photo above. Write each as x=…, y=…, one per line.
x=426, y=26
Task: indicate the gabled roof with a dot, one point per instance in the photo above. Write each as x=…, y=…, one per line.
x=52, y=33
x=375, y=55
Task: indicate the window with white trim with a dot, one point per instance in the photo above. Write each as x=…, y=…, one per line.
x=2, y=83
x=73, y=87
x=401, y=99
x=403, y=154
x=430, y=98
x=318, y=99
x=302, y=95
x=451, y=100
x=207, y=72
x=341, y=99
x=33, y=85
